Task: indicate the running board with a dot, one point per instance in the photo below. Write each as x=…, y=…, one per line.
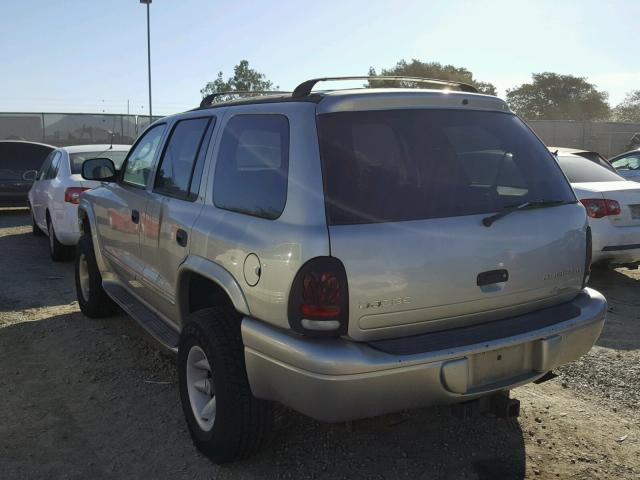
x=147, y=319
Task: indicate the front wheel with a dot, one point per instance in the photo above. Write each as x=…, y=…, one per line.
x=35, y=228
x=226, y=422
x=93, y=300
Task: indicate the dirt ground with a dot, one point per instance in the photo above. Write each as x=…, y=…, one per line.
x=96, y=399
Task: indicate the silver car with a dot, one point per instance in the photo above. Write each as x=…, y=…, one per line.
x=628, y=165
x=346, y=253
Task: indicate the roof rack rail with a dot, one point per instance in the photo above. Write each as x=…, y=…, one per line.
x=208, y=100
x=304, y=89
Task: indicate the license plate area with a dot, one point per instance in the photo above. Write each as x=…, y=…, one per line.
x=500, y=365
x=635, y=212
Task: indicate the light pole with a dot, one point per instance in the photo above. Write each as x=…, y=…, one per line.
x=147, y=3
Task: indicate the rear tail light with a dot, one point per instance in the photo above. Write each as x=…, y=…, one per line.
x=588, y=257
x=319, y=299
x=72, y=194
x=601, y=207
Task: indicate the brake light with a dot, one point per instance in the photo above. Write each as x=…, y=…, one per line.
x=601, y=207
x=318, y=302
x=72, y=194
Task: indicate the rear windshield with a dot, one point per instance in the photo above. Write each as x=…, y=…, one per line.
x=400, y=165
x=17, y=157
x=580, y=170
x=77, y=159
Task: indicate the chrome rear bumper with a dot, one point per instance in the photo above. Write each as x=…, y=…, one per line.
x=337, y=379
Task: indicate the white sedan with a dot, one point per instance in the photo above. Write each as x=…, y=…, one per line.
x=613, y=208
x=55, y=194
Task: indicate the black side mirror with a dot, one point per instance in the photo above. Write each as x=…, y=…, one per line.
x=99, y=169
x=30, y=175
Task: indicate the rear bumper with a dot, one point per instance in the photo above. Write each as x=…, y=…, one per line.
x=337, y=379
x=615, y=245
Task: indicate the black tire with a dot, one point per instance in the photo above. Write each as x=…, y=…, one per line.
x=98, y=304
x=58, y=251
x=36, y=229
x=242, y=423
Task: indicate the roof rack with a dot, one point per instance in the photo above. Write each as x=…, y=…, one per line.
x=208, y=100
x=304, y=89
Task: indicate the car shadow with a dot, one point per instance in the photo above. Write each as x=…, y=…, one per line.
x=28, y=276
x=622, y=327
x=96, y=399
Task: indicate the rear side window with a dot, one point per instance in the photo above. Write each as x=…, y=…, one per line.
x=579, y=170
x=52, y=171
x=140, y=159
x=401, y=165
x=45, y=166
x=174, y=177
x=253, y=166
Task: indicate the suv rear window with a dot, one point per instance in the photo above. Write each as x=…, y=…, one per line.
x=400, y=165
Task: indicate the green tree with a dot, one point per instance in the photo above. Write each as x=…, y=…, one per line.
x=629, y=109
x=244, y=79
x=551, y=96
x=416, y=68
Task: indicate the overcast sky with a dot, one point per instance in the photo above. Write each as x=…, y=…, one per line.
x=90, y=55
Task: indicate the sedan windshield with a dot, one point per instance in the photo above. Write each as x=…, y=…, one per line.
x=77, y=159
x=580, y=170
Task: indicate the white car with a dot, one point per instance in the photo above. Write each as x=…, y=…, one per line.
x=613, y=209
x=55, y=194
x=628, y=164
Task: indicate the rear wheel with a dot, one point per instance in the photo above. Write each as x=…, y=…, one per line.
x=58, y=251
x=226, y=422
x=93, y=300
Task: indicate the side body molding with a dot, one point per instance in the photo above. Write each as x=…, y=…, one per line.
x=213, y=271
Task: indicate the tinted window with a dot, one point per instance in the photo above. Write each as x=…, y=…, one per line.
x=140, y=160
x=398, y=165
x=179, y=158
x=77, y=159
x=253, y=165
x=18, y=157
x=632, y=162
x=579, y=170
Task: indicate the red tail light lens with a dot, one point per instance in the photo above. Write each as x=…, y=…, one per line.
x=319, y=298
x=601, y=207
x=72, y=194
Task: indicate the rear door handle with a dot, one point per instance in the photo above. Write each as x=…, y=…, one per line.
x=135, y=216
x=181, y=237
x=491, y=277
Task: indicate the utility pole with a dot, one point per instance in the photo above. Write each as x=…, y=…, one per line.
x=148, y=3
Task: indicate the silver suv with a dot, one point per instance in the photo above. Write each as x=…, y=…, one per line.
x=346, y=253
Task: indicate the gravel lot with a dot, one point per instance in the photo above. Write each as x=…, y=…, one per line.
x=97, y=399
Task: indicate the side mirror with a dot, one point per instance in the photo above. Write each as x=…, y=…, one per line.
x=99, y=169
x=30, y=175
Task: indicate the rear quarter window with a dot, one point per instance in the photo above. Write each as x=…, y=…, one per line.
x=252, y=166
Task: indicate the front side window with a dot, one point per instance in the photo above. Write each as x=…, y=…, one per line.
x=140, y=159
x=580, y=170
x=403, y=165
x=77, y=159
x=252, y=167
x=632, y=162
x=176, y=170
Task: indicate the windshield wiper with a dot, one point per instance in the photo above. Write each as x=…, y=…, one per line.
x=488, y=221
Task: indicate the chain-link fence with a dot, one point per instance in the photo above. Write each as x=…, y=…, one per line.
x=62, y=129
x=607, y=138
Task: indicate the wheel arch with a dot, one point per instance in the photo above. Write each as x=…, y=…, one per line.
x=203, y=283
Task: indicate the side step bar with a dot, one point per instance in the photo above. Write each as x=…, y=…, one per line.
x=147, y=319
